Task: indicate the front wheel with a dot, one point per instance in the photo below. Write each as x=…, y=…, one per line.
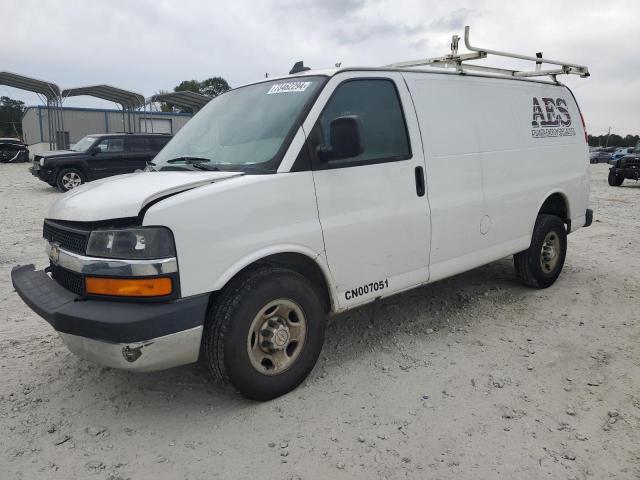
x=69, y=178
x=540, y=265
x=614, y=179
x=265, y=332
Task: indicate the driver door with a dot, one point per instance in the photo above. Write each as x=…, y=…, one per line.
x=373, y=207
x=107, y=161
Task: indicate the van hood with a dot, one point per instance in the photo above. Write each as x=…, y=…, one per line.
x=125, y=195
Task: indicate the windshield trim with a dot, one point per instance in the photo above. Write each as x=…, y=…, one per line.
x=271, y=166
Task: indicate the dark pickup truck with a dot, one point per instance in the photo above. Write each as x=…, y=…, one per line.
x=97, y=156
x=626, y=167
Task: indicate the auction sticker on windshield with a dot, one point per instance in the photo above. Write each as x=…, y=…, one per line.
x=289, y=87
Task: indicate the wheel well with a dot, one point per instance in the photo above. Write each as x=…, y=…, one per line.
x=556, y=204
x=299, y=263
x=60, y=168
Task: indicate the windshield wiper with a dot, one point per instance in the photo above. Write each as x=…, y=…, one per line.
x=204, y=166
x=189, y=160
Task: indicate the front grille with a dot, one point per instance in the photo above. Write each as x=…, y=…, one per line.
x=72, y=281
x=73, y=240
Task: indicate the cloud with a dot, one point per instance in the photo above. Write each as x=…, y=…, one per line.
x=362, y=33
x=452, y=21
x=328, y=8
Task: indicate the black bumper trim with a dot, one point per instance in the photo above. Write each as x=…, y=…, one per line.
x=111, y=321
x=588, y=218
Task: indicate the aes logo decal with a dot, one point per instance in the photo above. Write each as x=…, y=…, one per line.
x=551, y=118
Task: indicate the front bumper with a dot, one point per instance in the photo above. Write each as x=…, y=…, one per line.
x=129, y=335
x=160, y=353
x=43, y=173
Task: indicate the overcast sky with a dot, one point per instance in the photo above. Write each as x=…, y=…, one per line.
x=149, y=45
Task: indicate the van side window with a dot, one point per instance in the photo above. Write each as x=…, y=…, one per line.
x=382, y=126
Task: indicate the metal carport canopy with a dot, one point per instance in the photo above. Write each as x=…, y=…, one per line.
x=106, y=92
x=194, y=101
x=49, y=90
x=51, y=93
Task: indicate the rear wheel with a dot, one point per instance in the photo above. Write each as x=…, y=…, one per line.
x=69, y=178
x=540, y=265
x=265, y=332
x=615, y=180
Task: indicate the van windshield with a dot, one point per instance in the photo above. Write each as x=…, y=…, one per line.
x=243, y=129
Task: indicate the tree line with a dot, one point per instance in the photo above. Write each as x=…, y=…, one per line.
x=613, y=140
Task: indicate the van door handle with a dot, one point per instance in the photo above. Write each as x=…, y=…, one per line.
x=419, y=171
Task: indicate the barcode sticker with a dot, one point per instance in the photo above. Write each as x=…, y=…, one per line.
x=289, y=87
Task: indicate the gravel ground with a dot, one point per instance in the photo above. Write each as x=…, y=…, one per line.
x=473, y=377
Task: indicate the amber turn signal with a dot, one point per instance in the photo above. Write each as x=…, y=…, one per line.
x=129, y=287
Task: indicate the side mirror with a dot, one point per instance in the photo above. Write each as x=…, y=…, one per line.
x=94, y=150
x=344, y=138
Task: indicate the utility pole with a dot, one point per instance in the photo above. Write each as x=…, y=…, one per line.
x=607, y=142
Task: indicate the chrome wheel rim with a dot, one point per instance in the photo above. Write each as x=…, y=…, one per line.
x=276, y=337
x=550, y=252
x=71, y=180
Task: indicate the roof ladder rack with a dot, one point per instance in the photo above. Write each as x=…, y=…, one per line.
x=457, y=61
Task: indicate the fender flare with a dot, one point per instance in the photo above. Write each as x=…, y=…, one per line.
x=544, y=199
x=258, y=255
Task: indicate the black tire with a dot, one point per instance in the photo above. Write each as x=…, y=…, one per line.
x=62, y=185
x=615, y=180
x=529, y=264
x=229, y=323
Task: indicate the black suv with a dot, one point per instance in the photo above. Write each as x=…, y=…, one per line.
x=97, y=156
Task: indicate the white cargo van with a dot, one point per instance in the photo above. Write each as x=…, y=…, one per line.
x=291, y=199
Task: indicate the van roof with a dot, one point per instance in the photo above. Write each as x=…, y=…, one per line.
x=330, y=72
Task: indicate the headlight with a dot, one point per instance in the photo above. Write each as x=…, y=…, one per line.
x=42, y=162
x=132, y=243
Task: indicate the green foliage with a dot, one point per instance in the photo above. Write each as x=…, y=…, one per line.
x=164, y=107
x=211, y=87
x=214, y=86
x=11, y=112
x=613, y=140
x=188, y=86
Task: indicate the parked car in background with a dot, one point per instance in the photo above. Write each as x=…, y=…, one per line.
x=13, y=150
x=599, y=156
x=97, y=156
x=620, y=152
